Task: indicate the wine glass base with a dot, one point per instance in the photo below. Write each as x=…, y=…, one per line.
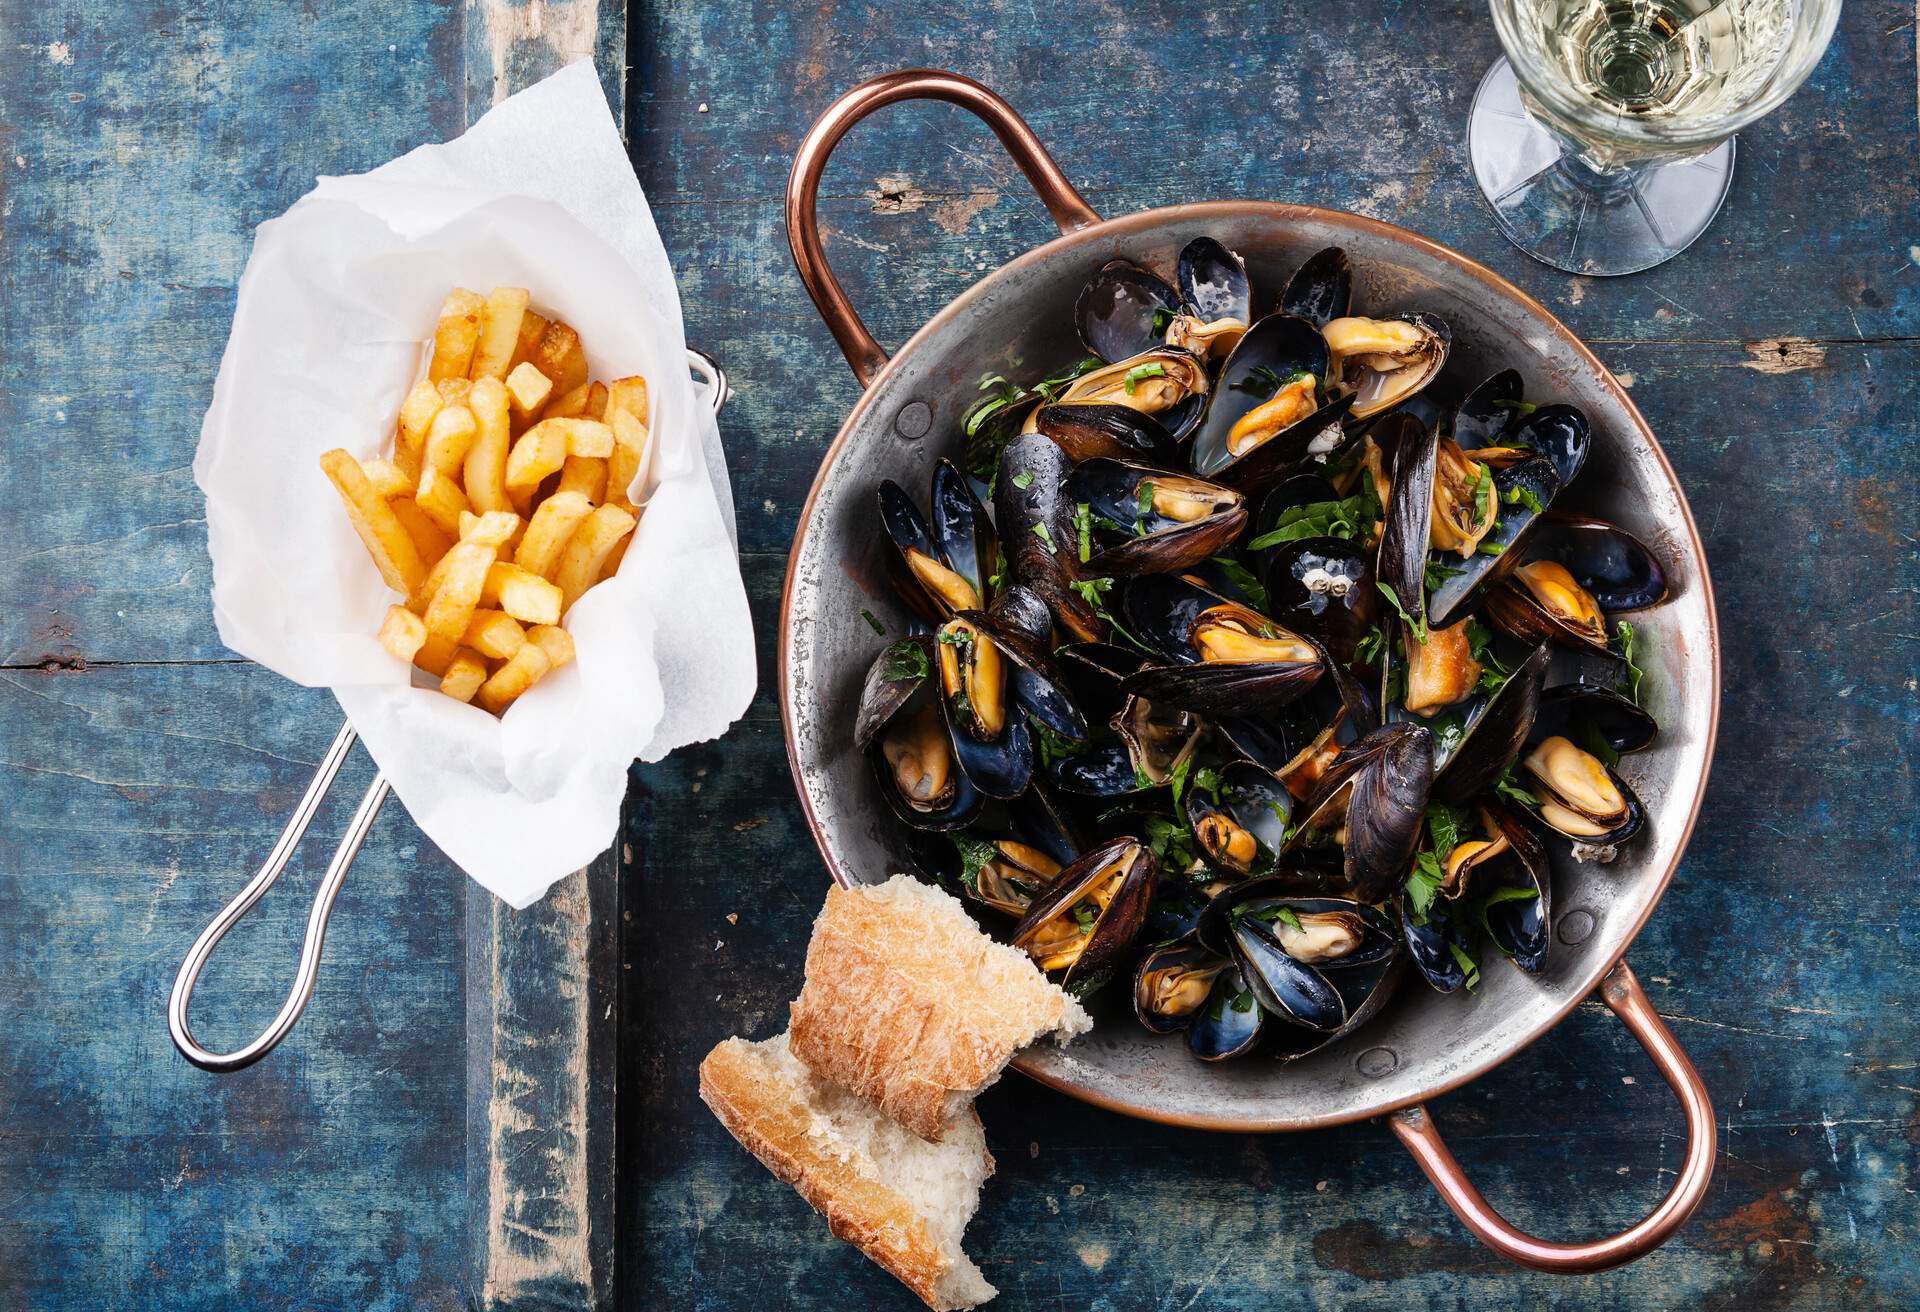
x=1558, y=210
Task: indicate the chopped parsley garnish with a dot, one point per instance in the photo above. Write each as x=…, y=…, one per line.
x=906, y=659
x=975, y=855
x=1625, y=638
x=1446, y=825
x=1086, y=915
x=1053, y=746
x=1172, y=844
x=1162, y=317
x=1423, y=885
x=1041, y=531
x=1083, y=527
x=1243, y=1001
x=1521, y=495
x=1050, y=388
x=1597, y=745
x=1418, y=626
x=1505, y=787
x=1207, y=781
x=1493, y=671
x=1179, y=777
x=1435, y=574
x=1003, y=395
x=876, y=625
x=1518, y=407
x=1348, y=518
x=1140, y=372
x=1143, y=505
x=1023, y=480
x=1490, y=548
x=1287, y=916
x=1371, y=646
x=1468, y=966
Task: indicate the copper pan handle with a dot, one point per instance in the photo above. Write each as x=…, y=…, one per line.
x=1621, y=992
x=803, y=189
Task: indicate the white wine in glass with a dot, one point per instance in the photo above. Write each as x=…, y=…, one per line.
x=1604, y=140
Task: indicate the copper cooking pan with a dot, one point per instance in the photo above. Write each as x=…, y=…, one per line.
x=1018, y=321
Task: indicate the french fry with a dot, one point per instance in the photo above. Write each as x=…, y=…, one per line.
x=538, y=452
x=528, y=666
x=456, y=335
x=588, y=549
x=463, y=572
x=586, y=475
x=532, y=328
x=428, y=537
x=587, y=437
x=493, y=633
x=596, y=406
x=453, y=391
x=435, y=655
x=630, y=438
x=402, y=633
x=393, y=552
x=522, y=594
x=441, y=500
x=547, y=532
x=611, y=565
x=568, y=405
x=490, y=529
x=465, y=673
x=387, y=478
x=486, y=463
x=556, y=642
x=527, y=390
x=449, y=439
x=630, y=395
x=416, y=417
x=560, y=357
x=499, y=332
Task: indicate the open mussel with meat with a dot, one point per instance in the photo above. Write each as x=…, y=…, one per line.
x=1241, y=690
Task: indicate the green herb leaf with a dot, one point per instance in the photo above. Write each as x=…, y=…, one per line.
x=1493, y=671
x=1288, y=916
x=1371, y=646
x=1083, y=526
x=1085, y=915
x=1489, y=548
x=875, y=624
x=1179, y=777
x=1023, y=480
x=1467, y=964
x=1242, y=578
x=1207, y=781
x=1625, y=639
x=975, y=855
x=1445, y=826
x=1243, y=1001
x=906, y=659
x=1435, y=574
x=1505, y=786
x=1041, y=531
x=1050, y=388
x=1162, y=316
x=1423, y=885
x=1348, y=518
x=1518, y=407
x=1418, y=626
x=1053, y=746
x=1509, y=893
x=1140, y=372
x=1597, y=745
x=1520, y=495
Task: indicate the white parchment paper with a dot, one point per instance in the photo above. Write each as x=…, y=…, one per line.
x=336, y=305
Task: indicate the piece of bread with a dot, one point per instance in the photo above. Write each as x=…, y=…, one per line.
x=909, y=1005
x=902, y=1201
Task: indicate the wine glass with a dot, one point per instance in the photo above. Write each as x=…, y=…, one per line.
x=1604, y=139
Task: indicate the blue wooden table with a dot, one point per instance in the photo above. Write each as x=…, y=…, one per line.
x=484, y=1109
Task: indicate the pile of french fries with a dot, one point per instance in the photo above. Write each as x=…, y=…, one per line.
x=505, y=499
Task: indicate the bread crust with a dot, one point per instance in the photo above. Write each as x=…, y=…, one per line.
x=908, y=1005
x=769, y=1116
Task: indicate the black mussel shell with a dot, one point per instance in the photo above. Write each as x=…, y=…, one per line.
x=1166, y=981
x=1036, y=682
x=1576, y=710
x=961, y=528
x=1273, y=351
x=1115, y=432
x=1561, y=433
x=1231, y=1022
x=1615, y=567
x=1123, y=310
x=1221, y=689
x=1037, y=532
x=1502, y=548
x=1161, y=611
x=1321, y=290
x=1522, y=926
x=1437, y=331
x=1123, y=378
x=1093, y=671
x=1000, y=766
x=1178, y=903
x=1409, y=512
x=1105, y=769
x=1322, y=588
x=1258, y=901
x=898, y=683
x=985, y=435
x=1152, y=542
x=1241, y=826
x=1255, y=741
x=1513, y=609
x=1289, y=990
x=1482, y=418
x=1387, y=776
x=1430, y=944
x=1625, y=831
x=908, y=531
x=1114, y=932
x=1214, y=281
x=1495, y=734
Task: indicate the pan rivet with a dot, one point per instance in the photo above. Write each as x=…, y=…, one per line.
x=1376, y=1062
x=1575, y=927
x=913, y=421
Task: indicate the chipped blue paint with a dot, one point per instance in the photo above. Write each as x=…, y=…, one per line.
x=143, y=771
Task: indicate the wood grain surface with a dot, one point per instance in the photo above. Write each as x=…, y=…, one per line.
x=425, y=1139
